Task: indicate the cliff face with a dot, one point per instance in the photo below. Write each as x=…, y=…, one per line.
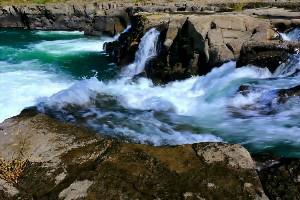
x=94, y=19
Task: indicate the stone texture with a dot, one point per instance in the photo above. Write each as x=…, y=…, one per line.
x=266, y=54
x=94, y=19
x=76, y=190
x=68, y=162
x=279, y=176
x=190, y=44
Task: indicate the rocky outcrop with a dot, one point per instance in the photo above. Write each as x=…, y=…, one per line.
x=61, y=161
x=194, y=36
x=191, y=44
x=267, y=54
x=279, y=17
x=94, y=19
x=280, y=177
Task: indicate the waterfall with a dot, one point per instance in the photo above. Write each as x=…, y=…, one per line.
x=116, y=37
x=291, y=66
x=293, y=35
x=146, y=50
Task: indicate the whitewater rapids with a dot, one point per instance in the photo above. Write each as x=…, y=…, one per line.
x=199, y=109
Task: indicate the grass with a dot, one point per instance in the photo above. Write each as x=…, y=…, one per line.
x=238, y=7
x=11, y=171
x=15, y=2
x=40, y=1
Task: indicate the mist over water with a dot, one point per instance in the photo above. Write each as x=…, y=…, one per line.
x=201, y=108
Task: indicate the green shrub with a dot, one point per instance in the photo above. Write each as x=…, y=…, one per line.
x=40, y=1
x=238, y=7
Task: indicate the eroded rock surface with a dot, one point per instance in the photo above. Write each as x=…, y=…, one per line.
x=280, y=176
x=267, y=54
x=68, y=162
x=190, y=44
x=94, y=19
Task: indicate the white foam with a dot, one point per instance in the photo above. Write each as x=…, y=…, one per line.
x=183, y=96
x=63, y=47
x=22, y=88
x=288, y=68
x=203, y=97
x=46, y=33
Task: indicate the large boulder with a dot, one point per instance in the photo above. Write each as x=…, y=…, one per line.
x=190, y=44
x=45, y=159
x=267, y=54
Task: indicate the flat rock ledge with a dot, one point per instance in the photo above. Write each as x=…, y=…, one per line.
x=45, y=159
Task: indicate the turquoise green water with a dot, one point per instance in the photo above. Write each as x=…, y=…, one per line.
x=68, y=76
x=36, y=64
x=68, y=52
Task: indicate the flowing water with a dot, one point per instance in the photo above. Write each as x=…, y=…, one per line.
x=69, y=77
x=292, y=35
x=39, y=64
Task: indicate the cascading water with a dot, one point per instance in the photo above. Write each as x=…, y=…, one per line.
x=201, y=108
x=292, y=65
x=293, y=35
x=146, y=50
x=289, y=68
x=116, y=37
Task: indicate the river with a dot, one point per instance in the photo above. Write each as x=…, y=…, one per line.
x=68, y=76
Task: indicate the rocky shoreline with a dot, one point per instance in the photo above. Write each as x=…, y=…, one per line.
x=42, y=158
x=193, y=44
x=63, y=161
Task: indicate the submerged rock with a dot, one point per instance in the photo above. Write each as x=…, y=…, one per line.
x=65, y=161
x=285, y=94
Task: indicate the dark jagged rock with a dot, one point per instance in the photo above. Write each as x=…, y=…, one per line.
x=123, y=50
x=285, y=94
x=181, y=59
x=190, y=44
x=280, y=177
x=244, y=89
x=63, y=161
x=266, y=54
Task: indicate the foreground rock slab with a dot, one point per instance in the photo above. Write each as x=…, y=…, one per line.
x=62, y=161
